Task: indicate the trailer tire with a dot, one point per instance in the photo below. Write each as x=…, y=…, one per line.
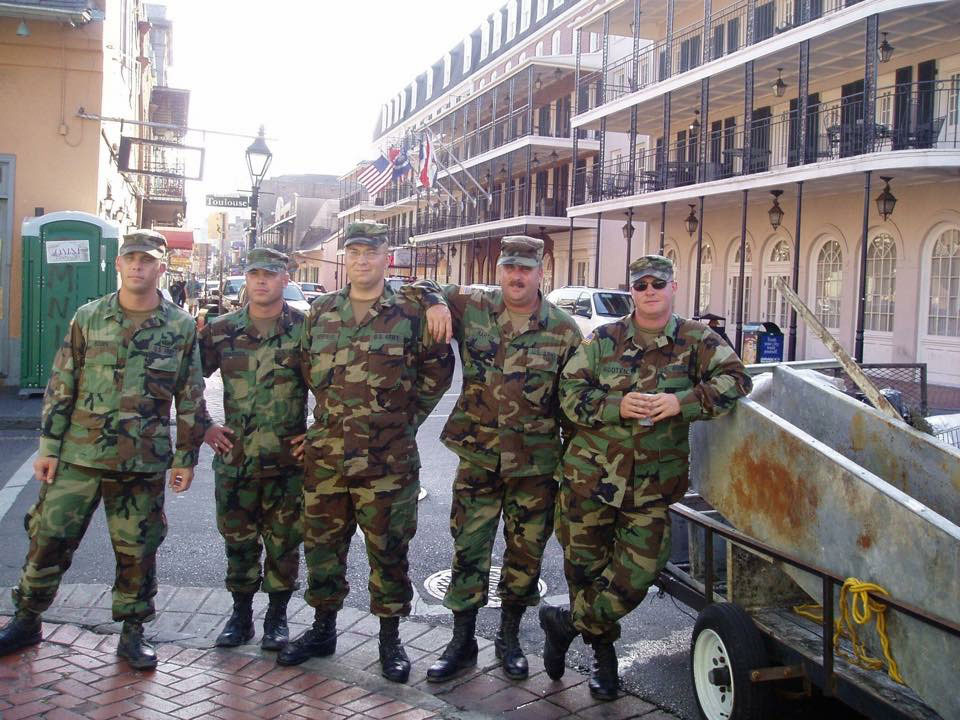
x=725, y=647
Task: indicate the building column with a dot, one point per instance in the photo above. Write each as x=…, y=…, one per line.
x=663, y=226
x=803, y=89
x=795, y=277
x=862, y=290
x=596, y=265
x=738, y=345
x=699, y=270
x=747, y=117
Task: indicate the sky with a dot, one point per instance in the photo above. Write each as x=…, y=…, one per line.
x=313, y=72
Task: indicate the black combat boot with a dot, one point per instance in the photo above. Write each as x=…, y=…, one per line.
x=559, y=632
x=134, y=649
x=507, y=643
x=22, y=631
x=394, y=663
x=239, y=627
x=318, y=641
x=461, y=651
x=275, y=630
x=604, y=682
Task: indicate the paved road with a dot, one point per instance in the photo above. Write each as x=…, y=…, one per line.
x=653, y=650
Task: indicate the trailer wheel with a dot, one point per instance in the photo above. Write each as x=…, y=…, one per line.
x=726, y=646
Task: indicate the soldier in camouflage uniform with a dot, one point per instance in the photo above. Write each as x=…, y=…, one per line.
x=258, y=478
x=632, y=389
x=376, y=377
x=506, y=431
x=105, y=433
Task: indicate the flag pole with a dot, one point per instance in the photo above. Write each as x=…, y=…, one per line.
x=460, y=165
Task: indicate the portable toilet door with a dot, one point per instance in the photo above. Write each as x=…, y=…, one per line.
x=68, y=260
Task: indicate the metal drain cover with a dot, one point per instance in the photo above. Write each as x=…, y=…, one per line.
x=436, y=585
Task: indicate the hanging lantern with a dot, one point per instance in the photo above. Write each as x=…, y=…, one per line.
x=886, y=200
x=776, y=212
x=885, y=50
x=779, y=87
x=691, y=222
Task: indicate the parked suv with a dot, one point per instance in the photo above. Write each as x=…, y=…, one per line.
x=592, y=307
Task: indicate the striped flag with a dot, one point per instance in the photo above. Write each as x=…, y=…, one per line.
x=376, y=175
x=428, y=165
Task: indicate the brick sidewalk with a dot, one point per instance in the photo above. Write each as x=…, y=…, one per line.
x=75, y=674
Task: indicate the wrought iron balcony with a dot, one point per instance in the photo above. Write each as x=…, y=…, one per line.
x=908, y=117
x=546, y=200
x=697, y=44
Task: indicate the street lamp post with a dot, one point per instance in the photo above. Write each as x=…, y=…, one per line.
x=258, y=162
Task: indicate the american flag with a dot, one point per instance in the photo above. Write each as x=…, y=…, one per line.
x=377, y=175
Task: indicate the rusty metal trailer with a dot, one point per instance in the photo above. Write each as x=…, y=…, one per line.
x=799, y=489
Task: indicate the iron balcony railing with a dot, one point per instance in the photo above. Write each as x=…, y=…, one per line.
x=697, y=44
x=545, y=200
x=916, y=116
x=157, y=187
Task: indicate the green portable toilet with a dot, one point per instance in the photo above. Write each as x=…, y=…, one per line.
x=68, y=260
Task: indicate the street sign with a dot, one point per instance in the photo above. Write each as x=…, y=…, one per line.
x=228, y=201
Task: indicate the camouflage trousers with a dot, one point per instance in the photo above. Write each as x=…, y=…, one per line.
x=611, y=555
x=133, y=504
x=255, y=509
x=385, y=508
x=480, y=496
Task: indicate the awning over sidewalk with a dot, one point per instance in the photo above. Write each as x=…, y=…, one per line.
x=177, y=238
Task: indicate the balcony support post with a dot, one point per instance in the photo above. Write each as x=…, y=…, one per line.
x=632, y=177
x=530, y=101
x=667, y=68
x=526, y=194
x=738, y=346
x=574, y=160
x=795, y=277
x=696, y=282
x=751, y=22
x=803, y=97
x=862, y=290
x=870, y=83
x=460, y=263
x=664, y=161
x=637, y=14
x=598, y=178
x=707, y=36
x=704, y=134
x=604, y=59
x=663, y=226
x=747, y=161
x=596, y=264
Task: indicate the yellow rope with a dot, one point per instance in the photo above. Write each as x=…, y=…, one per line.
x=859, y=611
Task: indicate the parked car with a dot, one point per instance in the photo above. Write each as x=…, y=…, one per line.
x=398, y=281
x=231, y=291
x=291, y=293
x=312, y=290
x=484, y=286
x=592, y=307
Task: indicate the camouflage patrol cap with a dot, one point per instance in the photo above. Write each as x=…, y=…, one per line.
x=366, y=233
x=263, y=258
x=521, y=250
x=653, y=265
x=146, y=241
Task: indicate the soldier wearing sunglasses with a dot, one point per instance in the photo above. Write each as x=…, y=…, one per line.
x=631, y=389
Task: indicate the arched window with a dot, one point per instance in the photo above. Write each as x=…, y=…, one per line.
x=944, y=315
x=778, y=266
x=706, y=270
x=829, y=284
x=555, y=43
x=733, y=285
x=671, y=254
x=539, y=51
x=881, y=283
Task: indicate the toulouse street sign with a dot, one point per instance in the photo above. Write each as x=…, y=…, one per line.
x=228, y=201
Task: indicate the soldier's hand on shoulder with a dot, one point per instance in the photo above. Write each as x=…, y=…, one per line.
x=45, y=469
x=180, y=479
x=440, y=323
x=218, y=437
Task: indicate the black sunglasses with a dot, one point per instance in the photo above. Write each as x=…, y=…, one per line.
x=641, y=285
